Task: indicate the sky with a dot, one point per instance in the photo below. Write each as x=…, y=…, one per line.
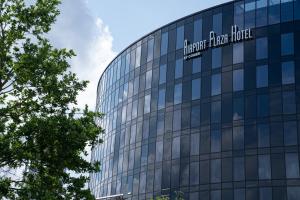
x=97, y=30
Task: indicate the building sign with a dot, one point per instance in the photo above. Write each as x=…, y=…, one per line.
x=192, y=50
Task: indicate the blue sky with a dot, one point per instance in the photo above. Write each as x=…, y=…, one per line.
x=128, y=20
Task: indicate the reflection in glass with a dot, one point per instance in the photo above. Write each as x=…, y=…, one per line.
x=288, y=72
x=216, y=84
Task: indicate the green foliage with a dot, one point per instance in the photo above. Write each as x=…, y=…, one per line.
x=40, y=129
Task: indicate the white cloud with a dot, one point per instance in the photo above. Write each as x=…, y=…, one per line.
x=91, y=40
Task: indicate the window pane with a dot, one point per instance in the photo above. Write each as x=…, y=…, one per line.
x=289, y=102
x=238, y=80
x=177, y=93
x=150, y=50
x=176, y=148
x=194, y=173
x=161, y=99
x=216, y=195
x=216, y=112
x=180, y=37
x=265, y=193
x=196, y=89
x=215, y=171
x=262, y=105
x=274, y=11
x=159, y=151
x=293, y=193
x=147, y=104
x=287, y=10
x=164, y=43
x=195, y=140
x=290, y=133
x=138, y=56
x=261, y=13
x=262, y=76
x=292, y=165
x=262, y=48
x=238, y=108
x=263, y=133
x=215, y=141
x=216, y=57
x=239, y=169
x=177, y=120
x=178, y=68
x=238, y=53
x=196, y=65
x=198, y=30
x=217, y=23
x=287, y=44
x=216, y=84
x=238, y=138
x=148, y=79
x=239, y=194
x=162, y=74
x=264, y=169
x=288, y=72
x=195, y=116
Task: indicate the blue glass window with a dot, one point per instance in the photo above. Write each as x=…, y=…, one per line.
x=249, y=13
x=215, y=141
x=138, y=56
x=238, y=138
x=179, y=37
x=288, y=73
x=293, y=193
x=164, y=43
x=262, y=105
x=261, y=13
x=161, y=99
x=263, y=134
x=217, y=23
x=274, y=11
x=194, y=147
x=147, y=104
x=198, y=30
x=287, y=44
x=238, y=109
x=292, y=165
x=150, y=50
x=216, y=58
x=177, y=93
x=178, y=68
x=215, y=195
x=289, y=102
x=215, y=171
x=238, y=53
x=148, y=79
x=262, y=48
x=162, y=74
x=239, y=194
x=216, y=112
x=239, y=169
x=238, y=80
x=176, y=148
x=287, y=13
x=197, y=65
x=262, y=76
x=290, y=133
x=177, y=120
x=265, y=193
x=216, y=84
x=264, y=167
x=239, y=14
x=196, y=89
x=195, y=116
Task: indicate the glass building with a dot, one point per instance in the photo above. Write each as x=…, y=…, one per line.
x=220, y=126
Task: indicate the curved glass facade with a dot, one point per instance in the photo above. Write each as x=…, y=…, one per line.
x=224, y=125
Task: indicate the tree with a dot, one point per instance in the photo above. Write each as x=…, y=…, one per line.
x=40, y=129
